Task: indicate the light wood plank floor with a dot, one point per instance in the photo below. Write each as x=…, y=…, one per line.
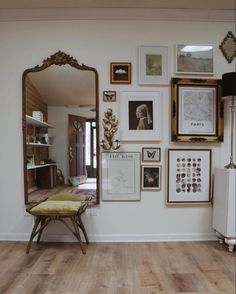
x=117, y=268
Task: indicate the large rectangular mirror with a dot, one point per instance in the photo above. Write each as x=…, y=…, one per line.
x=60, y=129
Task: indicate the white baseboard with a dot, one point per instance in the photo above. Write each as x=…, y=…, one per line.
x=116, y=237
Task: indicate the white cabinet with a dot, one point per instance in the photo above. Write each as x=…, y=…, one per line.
x=224, y=218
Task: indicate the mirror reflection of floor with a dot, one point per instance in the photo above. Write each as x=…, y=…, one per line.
x=88, y=188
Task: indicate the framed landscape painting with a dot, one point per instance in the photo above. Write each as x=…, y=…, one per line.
x=194, y=59
x=197, y=110
x=140, y=116
x=153, y=65
x=189, y=176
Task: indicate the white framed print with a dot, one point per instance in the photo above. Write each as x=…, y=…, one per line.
x=121, y=176
x=189, y=176
x=153, y=65
x=140, y=116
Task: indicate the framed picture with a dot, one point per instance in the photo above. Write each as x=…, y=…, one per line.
x=194, y=59
x=151, y=154
x=228, y=47
x=120, y=176
x=109, y=96
x=197, y=110
x=189, y=176
x=140, y=116
x=121, y=73
x=151, y=177
x=153, y=65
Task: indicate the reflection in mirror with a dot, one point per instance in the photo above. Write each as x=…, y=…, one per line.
x=60, y=129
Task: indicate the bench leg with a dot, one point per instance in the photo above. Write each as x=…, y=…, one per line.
x=81, y=225
x=33, y=233
x=77, y=234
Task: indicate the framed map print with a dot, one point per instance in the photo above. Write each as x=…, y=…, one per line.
x=189, y=176
x=121, y=176
x=197, y=110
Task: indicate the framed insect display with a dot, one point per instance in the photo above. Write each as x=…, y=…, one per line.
x=109, y=96
x=151, y=154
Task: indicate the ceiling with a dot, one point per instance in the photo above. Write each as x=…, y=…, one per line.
x=157, y=4
x=65, y=86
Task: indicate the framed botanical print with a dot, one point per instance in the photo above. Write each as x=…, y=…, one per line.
x=140, y=116
x=153, y=65
x=120, y=176
x=151, y=177
x=120, y=73
x=197, y=110
x=189, y=176
x=194, y=59
x=151, y=154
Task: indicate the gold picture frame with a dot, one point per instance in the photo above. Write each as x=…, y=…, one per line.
x=197, y=110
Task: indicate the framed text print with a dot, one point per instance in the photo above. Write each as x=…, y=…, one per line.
x=121, y=176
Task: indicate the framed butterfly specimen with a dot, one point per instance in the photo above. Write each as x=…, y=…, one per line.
x=109, y=96
x=151, y=154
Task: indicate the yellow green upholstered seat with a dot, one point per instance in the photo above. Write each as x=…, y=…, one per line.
x=67, y=197
x=58, y=208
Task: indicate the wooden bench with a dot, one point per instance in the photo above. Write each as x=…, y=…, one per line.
x=58, y=208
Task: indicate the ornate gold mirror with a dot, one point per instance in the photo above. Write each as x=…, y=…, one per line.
x=60, y=129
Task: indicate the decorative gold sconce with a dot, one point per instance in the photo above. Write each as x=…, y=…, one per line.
x=110, y=124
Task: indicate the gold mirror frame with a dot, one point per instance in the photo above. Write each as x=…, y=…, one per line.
x=59, y=58
x=178, y=86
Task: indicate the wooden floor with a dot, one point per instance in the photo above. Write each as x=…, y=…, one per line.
x=121, y=268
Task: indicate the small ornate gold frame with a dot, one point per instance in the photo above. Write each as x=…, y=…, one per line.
x=228, y=47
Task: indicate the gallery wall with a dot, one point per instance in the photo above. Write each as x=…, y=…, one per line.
x=24, y=44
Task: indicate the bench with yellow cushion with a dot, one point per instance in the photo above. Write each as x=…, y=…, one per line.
x=59, y=207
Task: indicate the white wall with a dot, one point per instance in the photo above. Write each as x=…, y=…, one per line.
x=97, y=43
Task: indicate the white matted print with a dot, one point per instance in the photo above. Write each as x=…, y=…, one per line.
x=197, y=110
x=121, y=176
x=140, y=116
x=189, y=176
x=153, y=65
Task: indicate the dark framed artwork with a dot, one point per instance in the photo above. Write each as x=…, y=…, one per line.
x=189, y=176
x=151, y=178
x=120, y=73
x=197, y=110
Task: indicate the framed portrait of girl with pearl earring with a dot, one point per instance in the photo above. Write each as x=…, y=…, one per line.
x=140, y=116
